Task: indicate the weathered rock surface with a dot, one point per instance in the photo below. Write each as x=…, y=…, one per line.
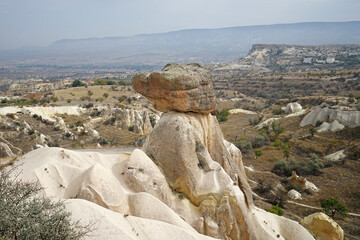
x=336, y=156
x=333, y=126
x=293, y=194
x=302, y=183
x=142, y=121
x=46, y=113
x=346, y=118
x=208, y=171
x=293, y=107
x=184, y=88
x=323, y=227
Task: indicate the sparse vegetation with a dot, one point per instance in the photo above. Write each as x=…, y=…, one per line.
x=332, y=206
x=308, y=166
x=277, y=128
x=257, y=152
x=276, y=210
x=244, y=145
x=222, y=116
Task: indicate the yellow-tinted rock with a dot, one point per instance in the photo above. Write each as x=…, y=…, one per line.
x=323, y=227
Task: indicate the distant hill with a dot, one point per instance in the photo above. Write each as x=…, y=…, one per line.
x=194, y=45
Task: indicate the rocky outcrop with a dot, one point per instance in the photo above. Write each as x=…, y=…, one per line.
x=323, y=227
x=336, y=156
x=141, y=121
x=293, y=107
x=293, y=194
x=184, y=88
x=302, y=183
x=333, y=126
x=318, y=114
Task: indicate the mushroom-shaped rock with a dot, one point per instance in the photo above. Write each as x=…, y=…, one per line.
x=184, y=88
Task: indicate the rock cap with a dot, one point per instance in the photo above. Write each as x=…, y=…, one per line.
x=179, y=87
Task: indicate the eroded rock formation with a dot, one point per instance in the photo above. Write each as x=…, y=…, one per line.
x=178, y=87
x=185, y=182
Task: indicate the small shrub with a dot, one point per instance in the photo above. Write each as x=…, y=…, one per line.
x=318, y=123
x=276, y=210
x=308, y=166
x=68, y=100
x=35, y=116
x=278, y=143
x=351, y=100
x=260, y=140
x=79, y=123
x=277, y=111
x=223, y=115
x=277, y=128
x=262, y=188
x=57, y=128
x=131, y=128
x=244, y=145
x=257, y=152
x=332, y=206
x=122, y=98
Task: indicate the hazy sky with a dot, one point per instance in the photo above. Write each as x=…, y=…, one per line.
x=41, y=22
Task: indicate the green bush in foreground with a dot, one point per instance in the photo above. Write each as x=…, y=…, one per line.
x=332, y=206
x=276, y=210
x=25, y=215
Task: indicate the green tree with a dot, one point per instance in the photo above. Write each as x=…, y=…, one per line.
x=25, y=215
x=332, y=206
x=77, y=83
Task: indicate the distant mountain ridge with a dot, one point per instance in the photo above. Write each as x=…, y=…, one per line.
x=193, y=45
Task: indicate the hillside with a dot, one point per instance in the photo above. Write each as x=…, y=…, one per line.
x=193, y=45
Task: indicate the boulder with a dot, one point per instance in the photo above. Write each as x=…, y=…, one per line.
x=293, y=194
x=336, y=156
x=293, y=107
x=5, y=150
x=333, y=127
x=323, y=227
x=302, y=183
x=184, y=88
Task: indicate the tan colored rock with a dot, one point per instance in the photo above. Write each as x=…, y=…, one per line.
x=323, y=227
x=184, y=88
x=190, y=151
